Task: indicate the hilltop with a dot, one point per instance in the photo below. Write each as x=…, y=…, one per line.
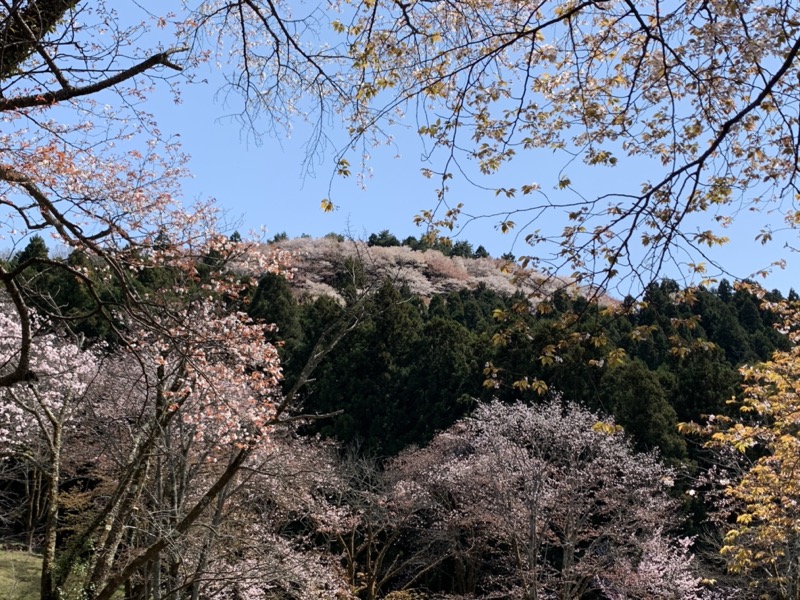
x=320, y=264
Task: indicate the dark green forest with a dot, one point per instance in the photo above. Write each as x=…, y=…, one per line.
x=413, y=366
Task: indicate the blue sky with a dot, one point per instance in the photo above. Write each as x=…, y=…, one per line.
x=266, y=185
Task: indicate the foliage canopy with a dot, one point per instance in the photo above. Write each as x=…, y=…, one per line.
x=694, y=102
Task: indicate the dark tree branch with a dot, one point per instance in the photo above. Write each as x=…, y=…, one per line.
x=21, y=371
x=48, y=98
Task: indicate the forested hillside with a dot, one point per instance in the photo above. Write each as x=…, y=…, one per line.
x=425, y=394
x=436, y=334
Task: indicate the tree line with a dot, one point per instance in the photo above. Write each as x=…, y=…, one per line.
x=414, y=364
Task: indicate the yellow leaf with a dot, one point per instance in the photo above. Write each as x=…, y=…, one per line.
x=616, y=357
x=506, y=226
x=539, y=386
x=498, y=314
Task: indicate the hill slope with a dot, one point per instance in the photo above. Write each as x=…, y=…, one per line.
x=320, y=263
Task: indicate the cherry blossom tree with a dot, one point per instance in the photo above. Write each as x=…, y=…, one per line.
x=191, y=390
x=194, y=471
x=369, y=522
x=549, y=501
x=211, y=378
x=80, y=161
x=662, y=569
x=36, y=416
x=256, y=540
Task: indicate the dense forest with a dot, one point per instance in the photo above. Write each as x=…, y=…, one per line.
x=187, y=414
x=471, y=443
x=414, y=364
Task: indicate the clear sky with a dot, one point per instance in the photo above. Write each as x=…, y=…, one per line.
x=266, y=185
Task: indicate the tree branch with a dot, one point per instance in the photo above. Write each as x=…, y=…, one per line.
x=22, y=371
x=48, y=98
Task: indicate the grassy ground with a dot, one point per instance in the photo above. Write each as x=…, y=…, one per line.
x=19, y=575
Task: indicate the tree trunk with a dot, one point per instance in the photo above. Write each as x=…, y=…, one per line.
x=50, y=586
x=24, y=28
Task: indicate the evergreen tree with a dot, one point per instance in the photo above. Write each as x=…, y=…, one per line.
x=383, y=239
x=36, y=249
x=273, y=302
x=638, y=402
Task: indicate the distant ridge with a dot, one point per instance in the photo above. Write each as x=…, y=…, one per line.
x=319, y=262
